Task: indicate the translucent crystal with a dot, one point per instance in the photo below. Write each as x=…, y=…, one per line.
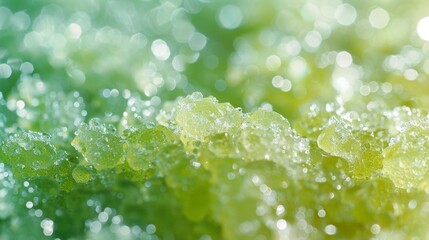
x=28, y=151
x=143, y=146
x=196, y=117
x=266, y=135
x=99, y=144
x=406, y=159
x=312, y=122
x=360, y=146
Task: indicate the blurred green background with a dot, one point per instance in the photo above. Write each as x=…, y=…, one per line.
x=278, y=54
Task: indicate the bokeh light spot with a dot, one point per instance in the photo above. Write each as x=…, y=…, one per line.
x=75, y=30
x=344, y=59
x=423, y=28
x=5, y=70
x=230, y=17
x=345, y=14
x=160, y=49
x=379, y=18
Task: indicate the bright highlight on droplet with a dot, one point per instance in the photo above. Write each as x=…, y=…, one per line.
x=423, y=28
x=379, y=18
x=160, y=49
x=230, y=17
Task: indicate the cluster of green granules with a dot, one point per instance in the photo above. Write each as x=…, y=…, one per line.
x=199, y=169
